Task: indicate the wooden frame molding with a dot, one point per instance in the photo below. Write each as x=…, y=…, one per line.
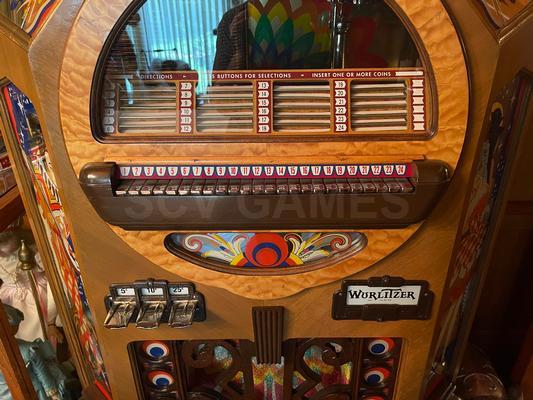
x=13, y=32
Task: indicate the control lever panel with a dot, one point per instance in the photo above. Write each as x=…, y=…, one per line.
x=121, y=304
x=152, y=302
x=153, y=299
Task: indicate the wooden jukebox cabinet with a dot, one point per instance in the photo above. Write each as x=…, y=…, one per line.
x=275, y=199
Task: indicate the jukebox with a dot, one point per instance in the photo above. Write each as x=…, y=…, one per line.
x=272, y=199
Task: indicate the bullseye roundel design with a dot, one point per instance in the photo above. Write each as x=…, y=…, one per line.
x=267, y=250
x=155, y=349
x=160, y=379
x=381, y=347
x=376, y=376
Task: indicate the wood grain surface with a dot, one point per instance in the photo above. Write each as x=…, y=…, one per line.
x=438, y=38
x=66, y=52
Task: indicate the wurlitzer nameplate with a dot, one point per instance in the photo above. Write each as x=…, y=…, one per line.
x=383, y=299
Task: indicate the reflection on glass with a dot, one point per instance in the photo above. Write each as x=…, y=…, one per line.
x=50, y=378
x=7, y=178
x=166, y=46
x=16, y=287
x=378, y=39
x=31, y=313
x=206, y=36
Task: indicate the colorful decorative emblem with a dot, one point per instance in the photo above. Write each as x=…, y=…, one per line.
x=155, y=349
x=381, y=347
x=265, y=250
x=376, y=376
x=160, y=379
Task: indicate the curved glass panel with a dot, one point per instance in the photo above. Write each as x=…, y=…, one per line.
x=234, y=67
x=205, y=36
x=263, y=252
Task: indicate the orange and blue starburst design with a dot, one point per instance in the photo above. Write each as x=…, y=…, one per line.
x=267, y=250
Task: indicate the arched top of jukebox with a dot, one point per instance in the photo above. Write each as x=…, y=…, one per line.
x=262, y=69
x=165, y=96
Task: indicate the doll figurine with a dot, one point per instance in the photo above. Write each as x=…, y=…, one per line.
x=47, y=375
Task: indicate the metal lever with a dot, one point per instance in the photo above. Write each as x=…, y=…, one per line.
x=182, y=313
x=150, y=315
x=119, y=315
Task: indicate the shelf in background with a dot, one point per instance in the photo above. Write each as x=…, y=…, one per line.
x=10, y=207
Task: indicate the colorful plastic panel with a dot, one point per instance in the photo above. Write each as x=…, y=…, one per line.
x=239, y=252
x=310, y=369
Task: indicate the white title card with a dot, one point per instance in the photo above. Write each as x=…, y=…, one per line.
x=361, y=295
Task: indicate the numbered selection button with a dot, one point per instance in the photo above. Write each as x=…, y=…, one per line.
x=264, y=106
x=340, y=96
